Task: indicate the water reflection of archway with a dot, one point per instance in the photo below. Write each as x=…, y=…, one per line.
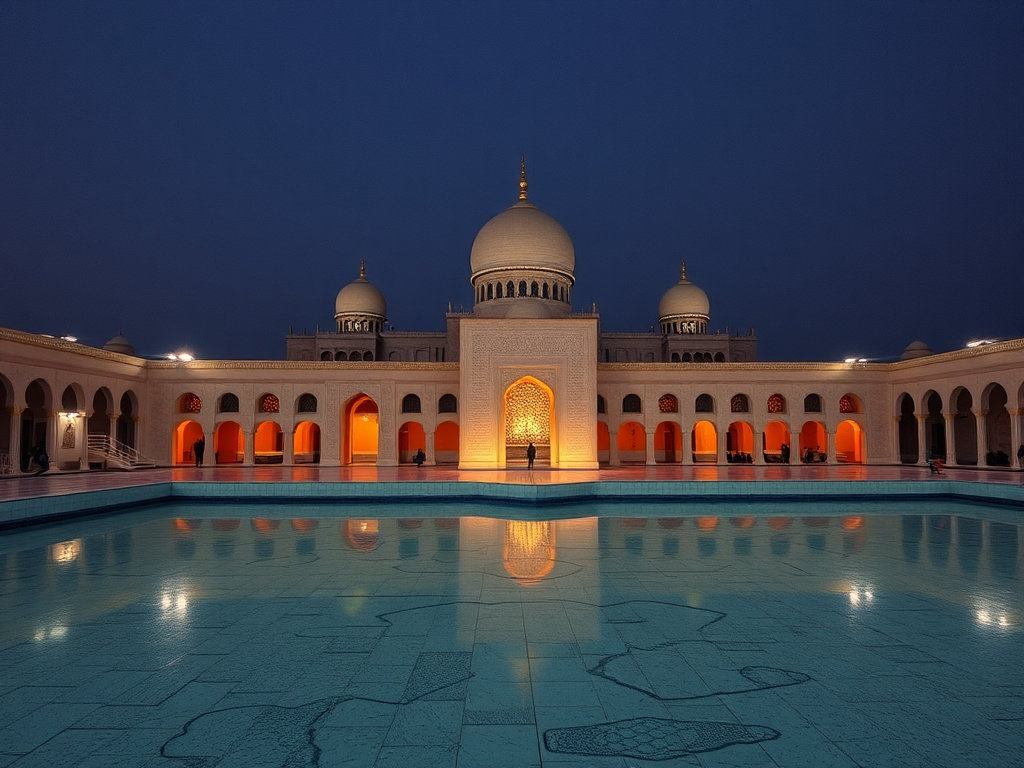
x=528, y=553
x=528, y=417
x=359, y=445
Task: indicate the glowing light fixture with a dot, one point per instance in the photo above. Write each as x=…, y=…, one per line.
x=979, y=343
x=181, y=357
x=855, y=360
x=69, y=338
x=71, y=415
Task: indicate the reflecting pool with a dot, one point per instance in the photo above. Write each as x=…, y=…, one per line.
x=808, y=634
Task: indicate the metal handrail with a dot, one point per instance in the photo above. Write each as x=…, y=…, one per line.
x=117, y=453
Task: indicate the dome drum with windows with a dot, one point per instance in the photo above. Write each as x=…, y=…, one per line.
x=684, y=308
x=522, y=263
x=360, y=306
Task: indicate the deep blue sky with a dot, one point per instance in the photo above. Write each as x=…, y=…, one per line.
x=841, y=176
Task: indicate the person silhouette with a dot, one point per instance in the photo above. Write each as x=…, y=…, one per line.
x=531, y=454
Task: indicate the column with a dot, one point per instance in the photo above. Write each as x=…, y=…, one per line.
x=249, y=438
x=135, y=439
x=650, y=448
x=429, y=450
x=288, y=456
x=950, y=438
x=982, y=435
x=112, y=430
x=1015, y=436
x=684, y=445
x=758, y=446
x=922, y=438
x=15, y=440
x=51, y=437
x=613, y=447
x=830, y=451
x=83, y=452
x=720, y=435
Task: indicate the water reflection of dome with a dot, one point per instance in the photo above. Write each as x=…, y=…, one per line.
x=529, y=551
x=265, y=525
x=362, y=535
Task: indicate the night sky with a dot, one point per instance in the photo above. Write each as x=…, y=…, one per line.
x=841, y=176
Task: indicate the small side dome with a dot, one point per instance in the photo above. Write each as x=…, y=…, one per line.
x=683, y=298
x=119, y=344
x=916, y=349
x=361, y=297
x=684, y=308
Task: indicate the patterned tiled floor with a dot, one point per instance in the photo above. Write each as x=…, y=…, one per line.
x=205, y=635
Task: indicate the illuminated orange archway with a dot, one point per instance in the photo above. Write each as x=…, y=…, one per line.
x=813, y=442
x=446, y=443
x=268, y=443
x=306, y=443
x=850, y=443
x=631, y=441
x=739, y=442
x=776, y=435
x=704, y=443
x=604, y=443
x=668, y=443
x=228, y=443
x=185, y=436
x=411, y=438
x=360, y=436
x=529, y=417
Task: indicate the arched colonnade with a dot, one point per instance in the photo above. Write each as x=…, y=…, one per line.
x=735, y=431
x=964, y=426
x=64, y=417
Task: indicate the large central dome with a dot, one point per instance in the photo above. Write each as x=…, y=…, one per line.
x=522, y=236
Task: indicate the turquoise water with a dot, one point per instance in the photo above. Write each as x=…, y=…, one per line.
x=803, y=634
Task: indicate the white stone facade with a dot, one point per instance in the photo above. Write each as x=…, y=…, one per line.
x=560, y=353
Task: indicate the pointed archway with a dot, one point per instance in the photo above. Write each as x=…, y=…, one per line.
x=528, y=415
x=361, y=432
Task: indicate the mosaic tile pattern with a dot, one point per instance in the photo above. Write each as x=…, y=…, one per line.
x=790, y=635
x=651, y=738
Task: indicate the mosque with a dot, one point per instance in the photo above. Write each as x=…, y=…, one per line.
x=521, y=367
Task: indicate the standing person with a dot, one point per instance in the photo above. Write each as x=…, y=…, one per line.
x=199, y=448
x=785, y=453
x=1020, y=455
x=531, y=454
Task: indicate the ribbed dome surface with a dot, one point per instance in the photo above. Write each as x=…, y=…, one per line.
x=522, y=236
x=683, y=298
x=915, y=349
x=120, y=345
x=360, y=297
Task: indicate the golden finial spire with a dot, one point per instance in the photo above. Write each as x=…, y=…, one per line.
x=683, y=278
x=522, y=180
x=362, y=267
